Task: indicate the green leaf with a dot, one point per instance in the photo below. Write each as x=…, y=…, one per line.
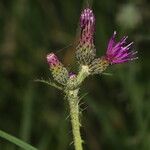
x=50, y=83
x=16, y=141
x=107, y=74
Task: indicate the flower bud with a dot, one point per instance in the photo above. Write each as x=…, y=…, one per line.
x=59, y=72
x=86, y=50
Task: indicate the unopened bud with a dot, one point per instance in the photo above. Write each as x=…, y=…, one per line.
x=86, y=50
x=59, y=72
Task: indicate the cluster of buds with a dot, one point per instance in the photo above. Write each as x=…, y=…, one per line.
x=116, y=53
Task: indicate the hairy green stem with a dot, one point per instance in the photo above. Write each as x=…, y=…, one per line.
x=74, y=114
x=73, y=99
x=84, y=72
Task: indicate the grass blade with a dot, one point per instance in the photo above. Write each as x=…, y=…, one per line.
x=26, y=122
x=16, y=141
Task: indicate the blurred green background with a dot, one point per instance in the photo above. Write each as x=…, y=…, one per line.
x=116, y=109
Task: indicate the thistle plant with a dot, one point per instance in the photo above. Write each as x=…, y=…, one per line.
x=89, y=64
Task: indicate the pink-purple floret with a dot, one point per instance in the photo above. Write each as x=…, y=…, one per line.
x=72, y=75
x=87, y=17
x=87, y=25
x=119, y=52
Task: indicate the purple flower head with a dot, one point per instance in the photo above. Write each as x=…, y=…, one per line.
x=119, y=52
x=86, y=49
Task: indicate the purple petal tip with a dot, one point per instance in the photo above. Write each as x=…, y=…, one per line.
x=87, y=17
x=52, y=59
x=72, y=75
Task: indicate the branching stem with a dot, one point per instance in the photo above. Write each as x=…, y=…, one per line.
x=82, y=75
x=73, y=99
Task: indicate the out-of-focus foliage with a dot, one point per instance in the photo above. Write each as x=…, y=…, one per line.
x=117, y=114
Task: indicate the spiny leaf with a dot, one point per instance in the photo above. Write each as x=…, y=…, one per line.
x=50, y=83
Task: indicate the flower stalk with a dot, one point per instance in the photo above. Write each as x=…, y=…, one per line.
x=73, y=100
